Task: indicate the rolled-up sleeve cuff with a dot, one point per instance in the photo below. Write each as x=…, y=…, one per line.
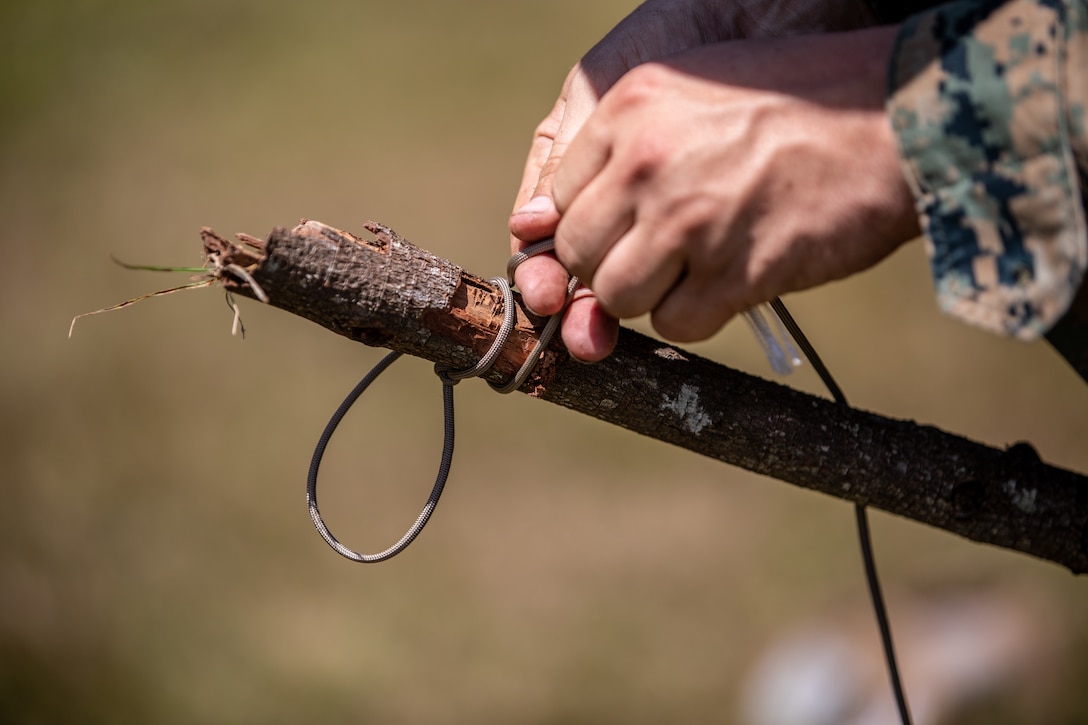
x=976, y=101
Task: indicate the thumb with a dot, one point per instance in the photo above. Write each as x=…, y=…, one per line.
x=535, y=219
x=539, y=217
x=541, y=279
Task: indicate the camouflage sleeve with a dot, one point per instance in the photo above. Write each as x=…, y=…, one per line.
x=987, y=99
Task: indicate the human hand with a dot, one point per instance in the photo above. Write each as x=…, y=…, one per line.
x=656, y=29
x=722, y=177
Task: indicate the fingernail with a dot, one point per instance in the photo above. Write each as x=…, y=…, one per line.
x=537, y=205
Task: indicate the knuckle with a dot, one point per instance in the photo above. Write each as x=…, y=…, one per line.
x=619, y=296
x=639, y=85
x=618, y=303
x=621, y=293
x=567, y=252
x=548, y=127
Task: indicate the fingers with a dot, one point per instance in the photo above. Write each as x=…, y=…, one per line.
x=542, y=280
x=580, y=100
x=586, y=156
x=550, y=142
x=533, y=221
x=589, y=333
x=619, y=245
x=636, y=273
x=595, y=221
x=543, y=284
x=693, y=311
x=530, y=225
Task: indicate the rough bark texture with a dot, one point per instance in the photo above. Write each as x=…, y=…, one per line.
x=388, y=293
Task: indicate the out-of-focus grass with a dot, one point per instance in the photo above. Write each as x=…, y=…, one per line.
x=157, y=565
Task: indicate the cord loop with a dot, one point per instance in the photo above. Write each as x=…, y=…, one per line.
x=449, y=378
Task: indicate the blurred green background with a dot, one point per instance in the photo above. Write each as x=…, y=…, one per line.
x=158, y=565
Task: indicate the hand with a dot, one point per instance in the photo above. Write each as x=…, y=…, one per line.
x=717, y=179
x=656, y=29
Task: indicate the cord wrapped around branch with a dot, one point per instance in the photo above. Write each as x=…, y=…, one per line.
x=388, y=293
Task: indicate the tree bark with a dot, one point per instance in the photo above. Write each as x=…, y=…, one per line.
x=386, y=292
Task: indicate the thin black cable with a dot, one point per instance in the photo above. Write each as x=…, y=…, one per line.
x=436, y=491
x=861, y=516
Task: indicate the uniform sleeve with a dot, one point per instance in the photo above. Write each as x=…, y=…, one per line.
x=988, y=103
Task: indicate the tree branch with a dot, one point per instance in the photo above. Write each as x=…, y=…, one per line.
x=386, y=292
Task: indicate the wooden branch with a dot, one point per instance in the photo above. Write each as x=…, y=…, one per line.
x=388, y=293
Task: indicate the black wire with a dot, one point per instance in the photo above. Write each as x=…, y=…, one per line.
x=861, y=516
x=881, y=611
x=444, y=466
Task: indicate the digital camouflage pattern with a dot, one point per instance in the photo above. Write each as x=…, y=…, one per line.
x=988, y=102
